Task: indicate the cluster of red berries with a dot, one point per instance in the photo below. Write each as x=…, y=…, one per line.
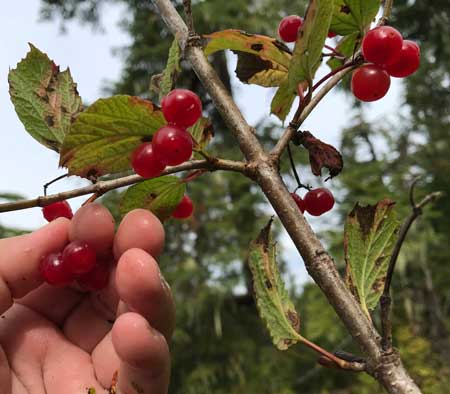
x=289, y=27
x=171, y=144
x=389, y=55
x=79, y=262
x=316, y=201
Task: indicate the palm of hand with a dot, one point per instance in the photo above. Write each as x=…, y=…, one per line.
x=61, y=340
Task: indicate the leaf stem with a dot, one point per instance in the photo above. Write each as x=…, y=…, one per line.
x=385, y=299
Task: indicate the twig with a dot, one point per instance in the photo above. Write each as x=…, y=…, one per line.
x=189, y=18
x=102, y=187
x=385, y=300
x=53, y=181
x=387, y=10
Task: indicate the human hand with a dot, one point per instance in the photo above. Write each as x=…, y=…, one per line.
x=60, y=340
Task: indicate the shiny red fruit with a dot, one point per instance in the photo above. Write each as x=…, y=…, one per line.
x=79, y=257
x=145, y=163
x=299, y=201
x=382, y=45
x=407, y=62
x=288, y=28
x=53, y=270
x=56, y=210
x=370, y=83
x=184, y=208
x=181, y=107
x=97, y=278
x=332, y=34
x=172, y=144
x=318, y=201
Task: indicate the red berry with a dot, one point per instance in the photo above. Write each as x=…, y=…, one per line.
x=97, y=278
x=79, y=257
x=56, y=210
x=331, y=34
x=184, y=208
x=299, y=201
x=370, y=83
x=318, y=201
x=145, y=163
x=181, y=107
x=288, y=28
x=172, y=144
x=54, y=271
x=382, y=45
x=407, y=62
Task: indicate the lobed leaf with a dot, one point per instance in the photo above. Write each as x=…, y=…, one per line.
x=45, y=99
x=352, y=16
x=103, y=137
x=272, y=299
x=159, y=195
x=311, y=39
x=369, y=239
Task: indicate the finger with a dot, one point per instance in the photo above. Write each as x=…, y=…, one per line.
x=139, y=229
x=144, y=356
x=143, y=289
x=94, y=224
x=20, y=257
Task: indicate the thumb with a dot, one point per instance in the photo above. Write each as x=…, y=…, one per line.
x=20, y=257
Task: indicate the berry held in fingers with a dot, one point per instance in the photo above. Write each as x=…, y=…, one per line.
x=56, y=210
x=79, y=257
x=54, y=271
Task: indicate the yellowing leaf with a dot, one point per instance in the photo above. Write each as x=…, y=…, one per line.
x=282, y=101
x=272, y=299
x=45, y=99
x=370, y=236
x=103, y=137
x=159, y=195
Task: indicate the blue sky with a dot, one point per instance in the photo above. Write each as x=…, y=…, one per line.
x=26, y=165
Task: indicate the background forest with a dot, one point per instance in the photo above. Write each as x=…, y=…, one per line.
x=220, y=346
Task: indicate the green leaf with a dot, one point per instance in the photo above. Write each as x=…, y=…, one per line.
x=103, y=137
x=347, y=46
x=370, y=236
x=202, y=133
x=282, y=101
x=351, y=16
x=311, y=39
x=272, y=299
x=171, y=71
x=262, y=60
x=45, y=99
x=159, y=195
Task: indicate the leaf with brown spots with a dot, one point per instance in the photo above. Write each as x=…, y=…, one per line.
x=272, y=300
x=103, y=137
x=352, y=16
x=322, y=155
x=262, y=60
x=159, y=195
x=369, y=239
x=45, y=99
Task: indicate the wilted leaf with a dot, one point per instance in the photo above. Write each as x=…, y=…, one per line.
x=347, y=46
x=352, y=16
x=282, y=101
x=321, y=155
x=311, y=38
x=272, y=299
x=103, y=137
x=262, y=60
x=370, y=236
x=159, y=195
x=45, y=99
x=202, y=133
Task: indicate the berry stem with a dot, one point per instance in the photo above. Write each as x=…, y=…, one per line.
x=53, y=181
x=294, y=170
x=334, y=51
